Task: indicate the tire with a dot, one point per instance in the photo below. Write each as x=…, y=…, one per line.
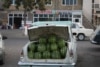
x=1, y=62
x=81, y=37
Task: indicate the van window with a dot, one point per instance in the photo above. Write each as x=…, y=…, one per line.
x=98, y=32
x=73, y=26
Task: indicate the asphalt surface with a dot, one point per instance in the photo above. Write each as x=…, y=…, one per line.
x=13, y=33
x=13, y=46
x=88, y=54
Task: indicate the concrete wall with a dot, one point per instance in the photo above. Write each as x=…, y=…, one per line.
x=96, y=1
x=57, y=4
x=87, y=9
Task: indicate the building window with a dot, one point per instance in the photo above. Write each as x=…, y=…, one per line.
x=65, y=16
x=97, y=5
x=10, y=15
x=98, y=12
x=62, y=16
x=69, y=2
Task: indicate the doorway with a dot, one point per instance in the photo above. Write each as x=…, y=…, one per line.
x=15, y=19
x=17, y=22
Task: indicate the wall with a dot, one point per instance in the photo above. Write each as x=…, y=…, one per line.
x=87, y=9
x=57, y=4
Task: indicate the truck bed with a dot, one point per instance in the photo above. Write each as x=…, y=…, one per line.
x=64, y=60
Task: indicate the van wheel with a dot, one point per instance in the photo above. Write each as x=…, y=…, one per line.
x=1, y=62
x=81, y=37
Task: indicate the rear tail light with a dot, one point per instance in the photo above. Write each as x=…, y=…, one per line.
x=22, y=53
x=71, y=56
x=21, y=58
x=71, y=53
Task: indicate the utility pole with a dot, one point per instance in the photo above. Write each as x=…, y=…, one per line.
x=55, y=7
x=73, y=5
x=72, y=10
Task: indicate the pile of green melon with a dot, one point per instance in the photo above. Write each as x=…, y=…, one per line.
x=50, y=47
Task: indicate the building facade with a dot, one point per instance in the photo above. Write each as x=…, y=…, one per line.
x=59, y=10
x=96, y=12
x=87, y=9
x=91, y=10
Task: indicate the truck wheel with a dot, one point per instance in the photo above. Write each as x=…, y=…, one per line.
x=81, y=37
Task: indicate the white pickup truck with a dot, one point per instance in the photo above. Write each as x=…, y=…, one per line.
x=52, y=56
x=81, y=31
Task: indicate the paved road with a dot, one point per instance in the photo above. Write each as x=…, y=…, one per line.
x=13, y=50
x=13, y=33
x=88, y=54
x=16, y=40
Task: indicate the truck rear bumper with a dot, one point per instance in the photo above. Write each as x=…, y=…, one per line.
x=23, y=64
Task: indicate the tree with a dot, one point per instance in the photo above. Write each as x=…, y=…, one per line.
x=28, y=5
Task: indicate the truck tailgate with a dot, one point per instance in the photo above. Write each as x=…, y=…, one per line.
x=23, y=64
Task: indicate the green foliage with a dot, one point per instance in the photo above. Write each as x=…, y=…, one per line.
x=27, y=4
x=42, y=5
x=7, y=3
x=18, y=3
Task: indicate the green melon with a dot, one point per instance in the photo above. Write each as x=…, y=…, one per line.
x=30, y=55
x=31, y=46
x=37, y=55
x=52, y=39
x=61, y=43
x=42, y=40
x=46, y=55
x=53, y=47
x=63, y=51
x=41, y=48
x=48, y=47
x=55, y=55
